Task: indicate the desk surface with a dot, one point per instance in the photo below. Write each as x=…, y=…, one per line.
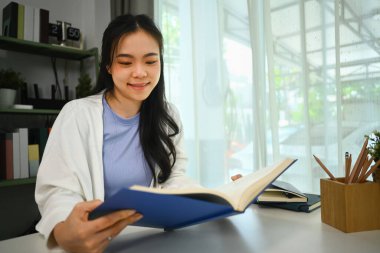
x=257, y=230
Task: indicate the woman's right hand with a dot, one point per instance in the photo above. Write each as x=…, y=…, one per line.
x=78, y=234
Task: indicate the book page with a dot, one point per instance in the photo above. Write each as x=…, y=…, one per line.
x=245, y=189
x=201, y=193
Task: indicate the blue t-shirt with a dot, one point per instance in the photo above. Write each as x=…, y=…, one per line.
x=123, y=158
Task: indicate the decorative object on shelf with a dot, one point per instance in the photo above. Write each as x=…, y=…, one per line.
x=39, y=103
x=64, y=34
x=22, y=107
x=374, y=150
x=84, y=87
x=10, y=82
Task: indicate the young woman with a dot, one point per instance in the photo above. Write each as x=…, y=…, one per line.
x=125, y=134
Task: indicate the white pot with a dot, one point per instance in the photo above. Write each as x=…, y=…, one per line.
x=7, y=98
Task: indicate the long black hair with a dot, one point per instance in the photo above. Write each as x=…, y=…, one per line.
x=156, y=126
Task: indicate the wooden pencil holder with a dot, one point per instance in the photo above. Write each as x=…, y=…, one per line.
x=350, y=207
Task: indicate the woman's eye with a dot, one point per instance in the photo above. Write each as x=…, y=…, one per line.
x=125, y=63
x=151, y=62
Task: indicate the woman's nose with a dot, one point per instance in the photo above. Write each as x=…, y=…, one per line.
x=139, y=71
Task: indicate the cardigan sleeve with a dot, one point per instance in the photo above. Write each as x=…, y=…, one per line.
x=61, y=179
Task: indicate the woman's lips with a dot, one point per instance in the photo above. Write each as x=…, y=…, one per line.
x=138, y=86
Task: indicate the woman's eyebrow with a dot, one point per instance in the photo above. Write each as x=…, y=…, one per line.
x=131, y=56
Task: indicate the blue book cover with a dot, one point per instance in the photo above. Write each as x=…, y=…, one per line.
x=164, y=210
x=175, y=208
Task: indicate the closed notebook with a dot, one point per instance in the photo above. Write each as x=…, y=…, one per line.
x=280, y=191
x=313, y=202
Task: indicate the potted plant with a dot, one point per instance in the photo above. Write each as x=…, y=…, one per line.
x=83, y=88
x=374, y=150
x=10, y=82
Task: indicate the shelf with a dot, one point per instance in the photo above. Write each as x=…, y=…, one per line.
x=31, y=47
x=14, y=182
x=30, y=111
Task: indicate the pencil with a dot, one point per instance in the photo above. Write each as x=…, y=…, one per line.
x=324, y=168
x=363, y=160
x=364, y=170
x=358, y=160
x=373, y=168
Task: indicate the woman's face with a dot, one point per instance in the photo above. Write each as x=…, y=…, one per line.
x=136, y=67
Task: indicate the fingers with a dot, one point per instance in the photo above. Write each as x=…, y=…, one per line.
x=115, y=229
x=89, y=205
x=82, y=209
x=78, y=234
x=236, y=177
x=110, y=219
x=123, y=223
x=118, y=227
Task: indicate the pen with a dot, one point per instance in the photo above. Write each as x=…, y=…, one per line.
x=347, y=168
x=324, y=168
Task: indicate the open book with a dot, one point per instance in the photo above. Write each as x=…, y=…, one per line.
x=280, y=191
x=176, y=208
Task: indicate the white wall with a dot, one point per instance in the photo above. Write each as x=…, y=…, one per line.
x=90, y=16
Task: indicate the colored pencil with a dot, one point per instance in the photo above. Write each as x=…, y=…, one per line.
x=324, y=168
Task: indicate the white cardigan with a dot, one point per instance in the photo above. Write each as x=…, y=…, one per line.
x=71, y=169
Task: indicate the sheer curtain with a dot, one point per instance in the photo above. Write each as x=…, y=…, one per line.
x=259, y=80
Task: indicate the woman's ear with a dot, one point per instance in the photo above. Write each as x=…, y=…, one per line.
x=108, y=70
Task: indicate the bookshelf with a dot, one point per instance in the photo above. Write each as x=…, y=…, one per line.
x=18, y=194
x=18, y=118
x=36, y=48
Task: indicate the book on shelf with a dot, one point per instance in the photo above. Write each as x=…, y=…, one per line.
x=44, y=26
x=36, y=24
x=24, y=162
x=33, y=159
x=28, y=22
x=3, y=156
x=280, y=191
x=20, y=21
x=313, y=202
x=21, y=152
x=10, y=20
x=39, y=136
x=6, y=156
x=41, y=25
x=176, y=208
x=16, y=155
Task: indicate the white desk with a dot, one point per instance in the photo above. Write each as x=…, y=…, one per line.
x=258, y=230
